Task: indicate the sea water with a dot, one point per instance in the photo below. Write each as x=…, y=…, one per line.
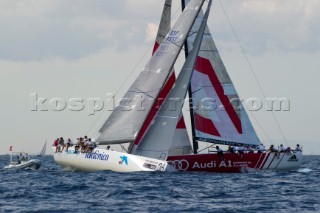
x=54, y=189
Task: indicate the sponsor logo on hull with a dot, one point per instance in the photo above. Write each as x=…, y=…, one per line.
x=184, y=164
x=293, y=158
x=149, y=166
x=123, y=160
x=96, y=156
x=154, y=165
x=181, y=165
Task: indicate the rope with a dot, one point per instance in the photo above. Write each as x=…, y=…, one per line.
x=206, y=148
x=121, y=86
x=252, y=71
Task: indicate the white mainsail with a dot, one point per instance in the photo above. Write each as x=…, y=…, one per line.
x=125, y=122
x=218, y=114
x=157, y=141
x=181, y=143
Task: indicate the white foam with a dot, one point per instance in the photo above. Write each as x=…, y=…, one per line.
x=305, y=170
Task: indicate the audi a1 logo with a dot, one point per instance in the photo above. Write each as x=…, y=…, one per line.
x=181, y=165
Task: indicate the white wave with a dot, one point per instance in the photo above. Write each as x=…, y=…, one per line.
x=305, y=170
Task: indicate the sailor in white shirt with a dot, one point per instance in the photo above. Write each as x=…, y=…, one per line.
x=242, y=149
x=220, y=153
x=235, y=148
x=273, y=149
x=89, y=145
x=298, y=148
x=69, y=144
x=283, y=148
x=261, y=148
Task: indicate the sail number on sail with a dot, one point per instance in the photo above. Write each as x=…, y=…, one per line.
x=171, y=38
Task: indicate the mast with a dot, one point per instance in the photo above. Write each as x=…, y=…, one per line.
x=194, y=141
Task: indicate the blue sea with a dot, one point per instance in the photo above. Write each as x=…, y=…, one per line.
x=53, y=189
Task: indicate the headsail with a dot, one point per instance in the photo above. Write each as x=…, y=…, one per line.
x=181, y=143
x=44, y=148
x=125, y=122
x=164, y=26
x=218, y=116
x=157, y=141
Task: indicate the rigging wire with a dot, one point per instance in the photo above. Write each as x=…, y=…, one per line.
x=252, y=71
x=258, y=123
x=208, y=146
x=125, y=81
x=121, y=86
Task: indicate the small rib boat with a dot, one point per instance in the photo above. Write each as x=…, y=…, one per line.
x=22, y=161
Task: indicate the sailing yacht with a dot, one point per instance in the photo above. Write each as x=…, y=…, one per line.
x=43, y=150
x=22, y=161
x=156, y=130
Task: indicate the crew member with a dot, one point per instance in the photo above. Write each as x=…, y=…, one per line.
x=220, y=152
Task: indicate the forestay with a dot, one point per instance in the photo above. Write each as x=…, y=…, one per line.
x=219, y=116
x=158, y=139
x=127, y=119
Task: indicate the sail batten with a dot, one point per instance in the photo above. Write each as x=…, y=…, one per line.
x=218, y=141
x=127, y=119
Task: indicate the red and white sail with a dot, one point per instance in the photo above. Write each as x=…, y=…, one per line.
x=181, y=143
x=218, y=115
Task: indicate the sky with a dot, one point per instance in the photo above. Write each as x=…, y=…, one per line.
x=89, y=49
